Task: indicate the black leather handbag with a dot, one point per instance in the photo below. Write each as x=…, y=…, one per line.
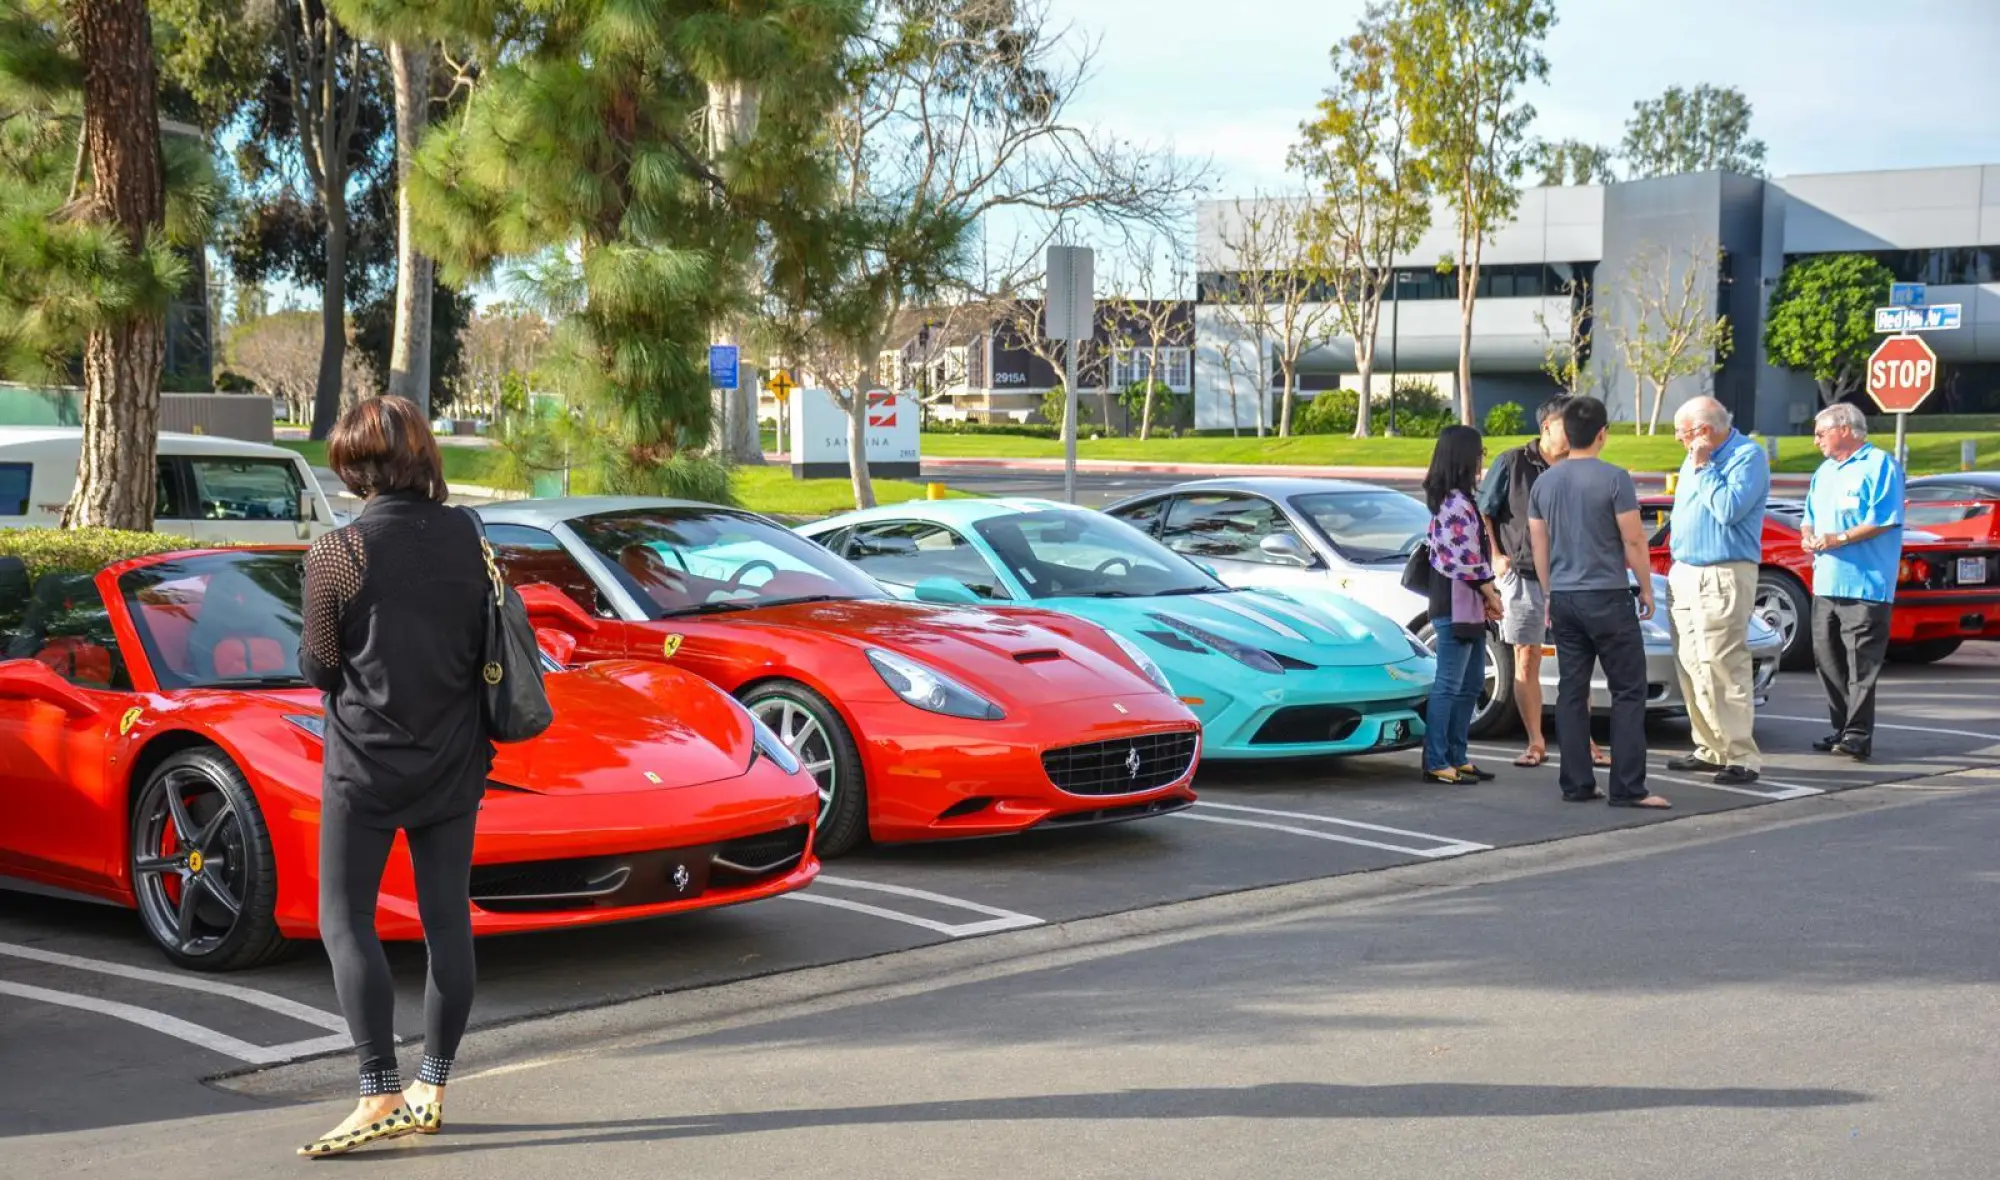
x=517, y=703
x=1417, y=570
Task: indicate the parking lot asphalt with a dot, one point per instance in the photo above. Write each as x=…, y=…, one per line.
x=87, y=1005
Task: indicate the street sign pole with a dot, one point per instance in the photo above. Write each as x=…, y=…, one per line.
x=1902, y=448
x=1069, y=314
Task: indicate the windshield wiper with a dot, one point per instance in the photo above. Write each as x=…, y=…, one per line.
x=804, y=598
x=713, y=608
x=1195, y=590
x=258, y=682
x=1105, y=594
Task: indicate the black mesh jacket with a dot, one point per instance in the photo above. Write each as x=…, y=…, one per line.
x=394, y=628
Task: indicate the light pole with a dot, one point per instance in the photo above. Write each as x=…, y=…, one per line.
x=1395, y=332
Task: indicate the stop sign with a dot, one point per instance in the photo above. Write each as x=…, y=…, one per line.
x=1901, y=374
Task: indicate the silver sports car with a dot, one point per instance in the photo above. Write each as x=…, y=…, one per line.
x=1341, y=537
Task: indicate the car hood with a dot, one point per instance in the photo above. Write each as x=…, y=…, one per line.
x=1322, y=629
x=620, y=726
x=1006, y=655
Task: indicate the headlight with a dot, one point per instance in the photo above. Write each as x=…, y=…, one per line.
x=312, y=723
x=1145, y=662
x=769, y=746
x=930, y=690
x=1241, y=653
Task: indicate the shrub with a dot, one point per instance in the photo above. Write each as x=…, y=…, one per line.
x=1331, y=412
x=1506, y=418
x=1016, y=429
x=85, y=551
x=1052, y=408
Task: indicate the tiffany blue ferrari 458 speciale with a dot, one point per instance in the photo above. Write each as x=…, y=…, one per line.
x=1270, y=674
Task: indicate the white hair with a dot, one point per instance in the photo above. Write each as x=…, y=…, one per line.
x=1843, y=414
x=1706, y=411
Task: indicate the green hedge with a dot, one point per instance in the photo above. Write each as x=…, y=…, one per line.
x=84, y=551
x=1017, y=429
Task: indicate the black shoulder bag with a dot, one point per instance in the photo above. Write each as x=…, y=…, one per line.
x=1417, y=570
x=517, y=705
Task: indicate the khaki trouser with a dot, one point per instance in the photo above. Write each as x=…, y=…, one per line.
x=1711, y=617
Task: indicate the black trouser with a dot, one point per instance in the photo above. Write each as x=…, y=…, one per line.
x=1850, y=641
x=352, y=856
x=1592, y=627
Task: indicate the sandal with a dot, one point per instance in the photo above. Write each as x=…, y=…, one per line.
x=1599, y=757
x=1535, y=756
x=394, y=1125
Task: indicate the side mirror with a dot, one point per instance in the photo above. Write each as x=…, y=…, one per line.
x=30, y=680
x=559, y=646
x=308, y=506
x=548, y=606
x=1287, y=548
x=944, y=591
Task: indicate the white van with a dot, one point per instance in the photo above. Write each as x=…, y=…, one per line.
x=211, y=489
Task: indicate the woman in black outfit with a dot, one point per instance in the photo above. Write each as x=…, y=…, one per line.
x=394, y=623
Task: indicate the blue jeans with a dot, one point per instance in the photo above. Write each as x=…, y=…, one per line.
x=1461, y=672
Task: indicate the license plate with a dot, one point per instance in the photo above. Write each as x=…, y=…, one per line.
x=1971, y=571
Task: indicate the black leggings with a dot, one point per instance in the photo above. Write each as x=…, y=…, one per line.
x=351, y=859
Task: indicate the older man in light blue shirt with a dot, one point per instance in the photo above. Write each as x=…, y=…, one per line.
x=1854, y=529
x=1717, y=542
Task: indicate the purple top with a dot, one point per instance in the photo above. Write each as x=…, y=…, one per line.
x=1458, y=551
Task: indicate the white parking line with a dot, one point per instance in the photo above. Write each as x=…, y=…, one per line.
x=998, y=919
x=1885, y=725
x=1784, y=790
x=1446, y=845
x=303, y=1013
x=174, y=1026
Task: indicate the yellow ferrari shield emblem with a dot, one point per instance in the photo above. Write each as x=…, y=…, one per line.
x=195, y=861
x=130, y=719
x=672, y=645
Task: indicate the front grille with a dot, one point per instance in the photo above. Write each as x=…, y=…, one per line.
x=1113, y=815
x=1110, y=768
x=750, y=859
x=1301, y=724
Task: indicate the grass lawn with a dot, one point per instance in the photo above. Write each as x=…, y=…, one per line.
x=773, y=491
x=1928, y=452
x=472, y=465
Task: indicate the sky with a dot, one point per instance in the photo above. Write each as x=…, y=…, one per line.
x=1835, y=85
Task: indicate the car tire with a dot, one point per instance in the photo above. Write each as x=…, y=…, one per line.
x=186, y=882
x=796, y=714
x=1782, y=602
x=1494, y=714
x=1923, y=651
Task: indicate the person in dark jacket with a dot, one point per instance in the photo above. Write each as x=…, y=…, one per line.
x=393, y=634
x=1462, y=601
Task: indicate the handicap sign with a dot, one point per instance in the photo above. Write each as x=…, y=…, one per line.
x=722, y=366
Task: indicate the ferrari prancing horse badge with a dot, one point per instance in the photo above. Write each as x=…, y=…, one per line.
x=672, y=645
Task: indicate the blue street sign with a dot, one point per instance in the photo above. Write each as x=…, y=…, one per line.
x=1906, y=294
x=722, y=366
x=1941, y=317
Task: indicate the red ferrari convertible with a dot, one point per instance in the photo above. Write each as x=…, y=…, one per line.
x=1947, y=589
x=159, y=751
x=919, y=721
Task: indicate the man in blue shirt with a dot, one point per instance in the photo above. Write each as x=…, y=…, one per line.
x=1717, y=542
x=1854, y=528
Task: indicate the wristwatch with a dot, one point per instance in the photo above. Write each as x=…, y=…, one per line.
x=1840, y=538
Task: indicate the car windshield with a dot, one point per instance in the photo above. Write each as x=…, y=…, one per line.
x=220, y=619
x=1375, y=525
x=1068, y=553
x=699, y=560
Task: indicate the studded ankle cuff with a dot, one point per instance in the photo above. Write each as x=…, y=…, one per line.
x=380, y=1081
x=435, y=1071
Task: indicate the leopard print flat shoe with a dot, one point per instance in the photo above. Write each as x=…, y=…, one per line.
x=394, y=1125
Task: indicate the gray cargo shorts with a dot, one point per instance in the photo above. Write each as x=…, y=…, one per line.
x=1527, y=610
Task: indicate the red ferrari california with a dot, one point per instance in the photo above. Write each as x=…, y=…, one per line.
x=158, y=750
x=918, y=721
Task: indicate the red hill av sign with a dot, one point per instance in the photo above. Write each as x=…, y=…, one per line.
x=1901, y=374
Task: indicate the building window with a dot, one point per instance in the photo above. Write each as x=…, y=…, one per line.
x=975, y=363
x=1132, y=366
x=1943, y=267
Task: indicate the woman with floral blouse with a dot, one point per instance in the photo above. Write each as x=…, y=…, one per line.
x=1463, y=599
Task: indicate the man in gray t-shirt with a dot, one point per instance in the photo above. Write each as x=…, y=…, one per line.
x=1583, y=521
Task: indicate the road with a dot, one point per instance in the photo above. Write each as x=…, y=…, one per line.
x=86, y=1006
x=1801, y=991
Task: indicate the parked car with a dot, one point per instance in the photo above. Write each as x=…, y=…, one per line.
x=1353, y=539
x=1271, y=674
x=211, y=489
x=1947, y=587
x=918, y=721
x=1954, y=485
x=161, y=752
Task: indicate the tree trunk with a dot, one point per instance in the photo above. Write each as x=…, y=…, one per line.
x=332, y=320
x=1468, y=293
x=1363, y=419
x=410, y=351
x=1291, y=394
x=115, y=481
x=733, y=109
x=857, y=451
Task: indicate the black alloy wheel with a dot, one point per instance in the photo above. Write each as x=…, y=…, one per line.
x=202, y=865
